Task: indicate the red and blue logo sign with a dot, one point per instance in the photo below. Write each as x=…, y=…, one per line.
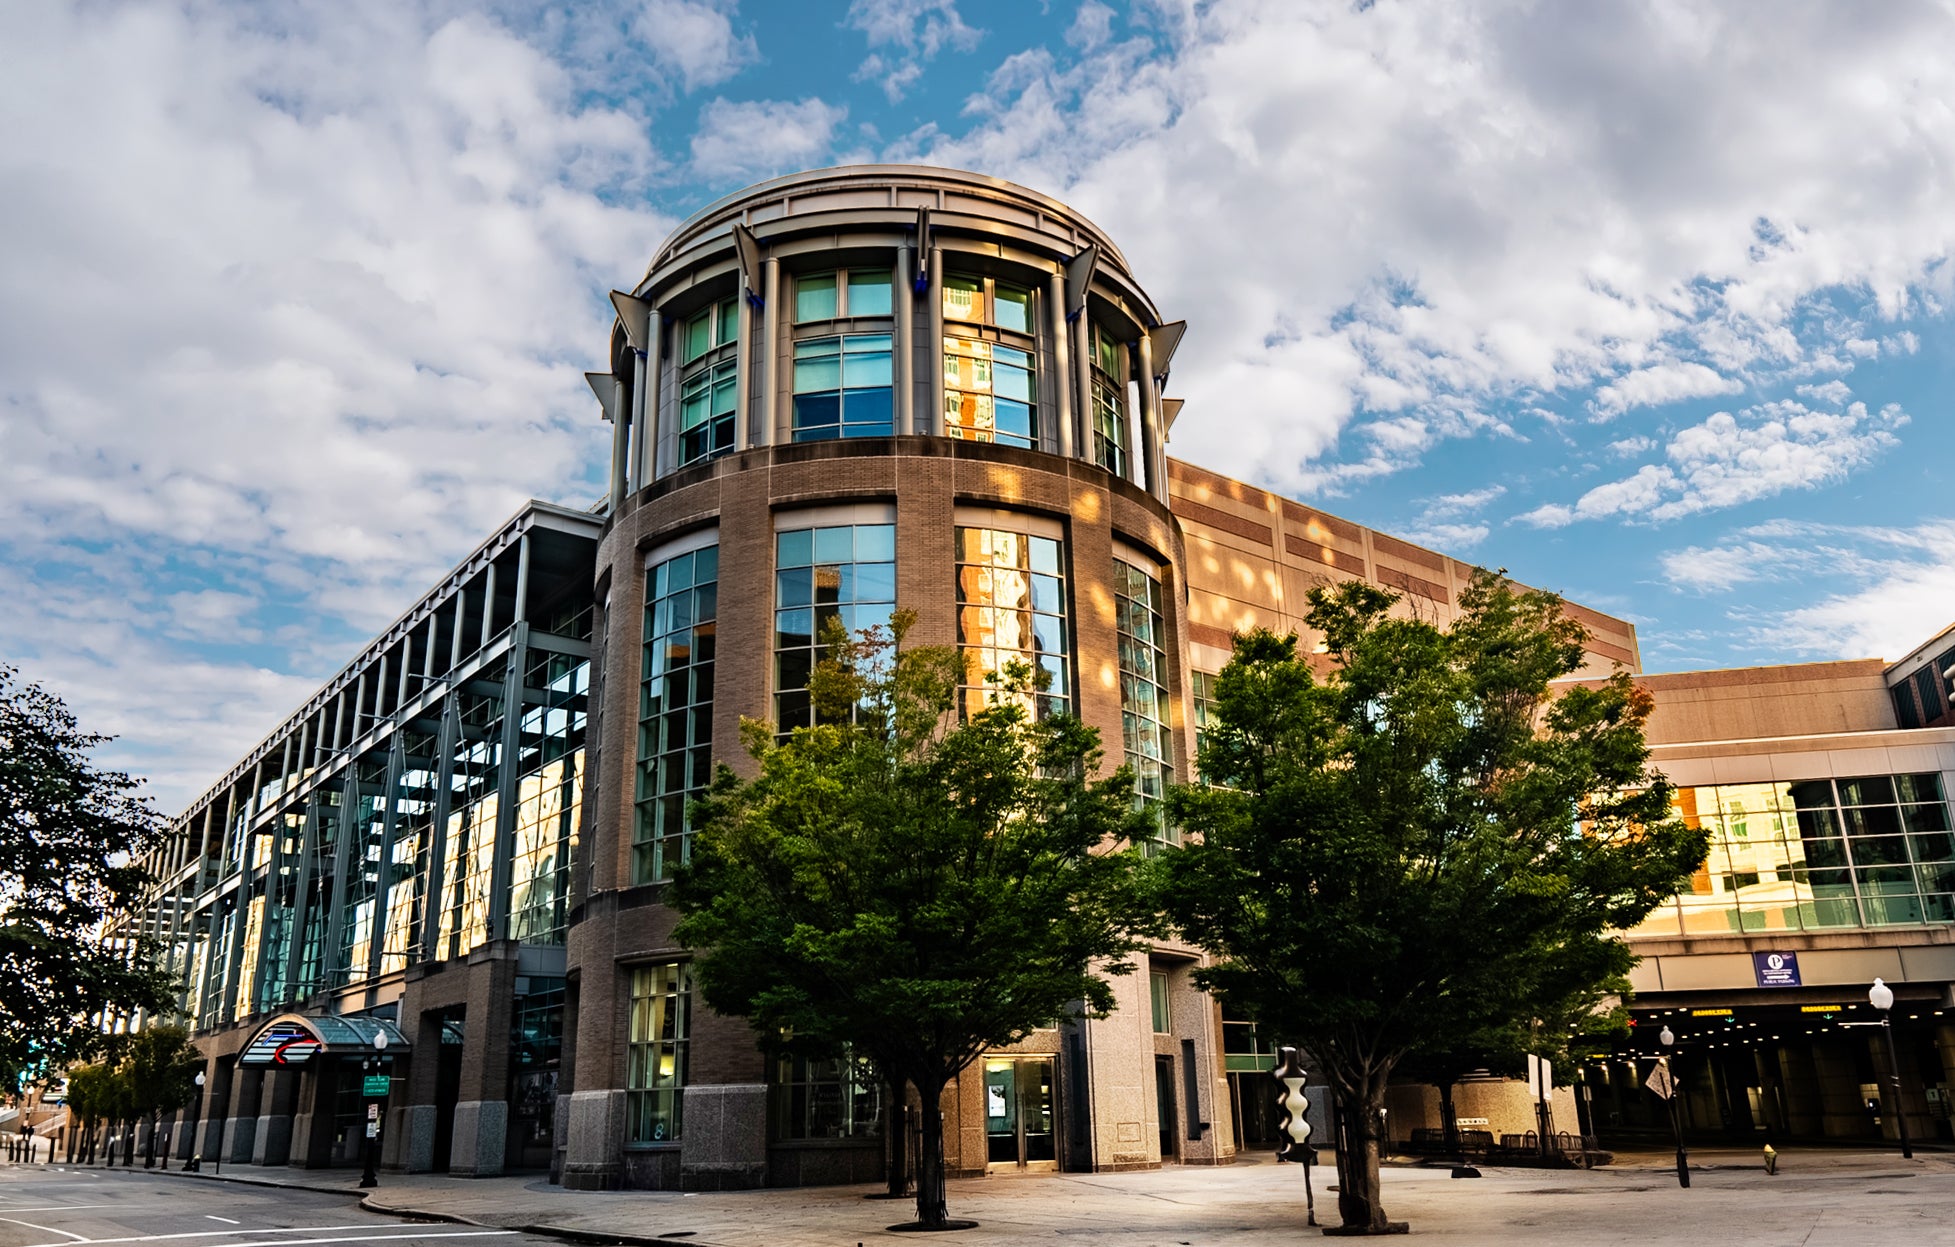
x=284, y=1044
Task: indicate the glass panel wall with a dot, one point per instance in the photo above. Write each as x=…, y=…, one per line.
x=468, y=861
x=1109, y=403
x=1813, y=855
x=708, y=381
x=675, y=717
x=842, y=574
x=1012, y=604
x=548, y=795
x=826, y=1098
x=656, y=1057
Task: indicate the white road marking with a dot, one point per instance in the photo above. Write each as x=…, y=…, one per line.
x=65, y=1207
x=292, y=1242
x=211, y=1216
x=48, y=1229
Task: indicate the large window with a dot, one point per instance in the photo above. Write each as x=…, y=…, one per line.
x=1815, y=855
x=655, y=1072
x=989, y=393
x=710, y=382
x=843, y=573
x=548, y=795
x=842, y=387
x=1109, y=404
x=675, y=727
x=851, y=292
x=990, y=379
x=832, y=1098
x=1143, y=692
x=1012, y=605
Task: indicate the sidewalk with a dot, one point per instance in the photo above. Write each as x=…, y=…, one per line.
x=1820, y=1197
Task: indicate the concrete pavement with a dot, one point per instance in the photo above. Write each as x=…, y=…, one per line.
x=1818, y=1199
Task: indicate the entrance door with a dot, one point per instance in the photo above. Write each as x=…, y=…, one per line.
x=1018, y=1113
x=1164, y=1101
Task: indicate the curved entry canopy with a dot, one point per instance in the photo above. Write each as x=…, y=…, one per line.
x=290, y=1040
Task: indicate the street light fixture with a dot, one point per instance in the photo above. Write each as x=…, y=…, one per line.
x=1668, y=1038
x=372, y=1065
x=217, y=1157
x=1881, y=997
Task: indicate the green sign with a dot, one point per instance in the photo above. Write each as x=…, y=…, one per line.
x=377, y=1085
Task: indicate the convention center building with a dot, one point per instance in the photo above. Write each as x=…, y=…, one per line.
x=831, y=395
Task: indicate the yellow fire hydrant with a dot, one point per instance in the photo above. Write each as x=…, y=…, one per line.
x=1771, y=1159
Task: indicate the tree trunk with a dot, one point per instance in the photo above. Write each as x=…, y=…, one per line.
x=1450, y=1119
x=1359, y=1196
x=899, y=1138
x=932, y=1208
x=129, y=1144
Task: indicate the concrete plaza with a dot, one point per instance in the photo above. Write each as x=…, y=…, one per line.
x=1818, y=1199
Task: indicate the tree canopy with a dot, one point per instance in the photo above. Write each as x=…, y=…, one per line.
x=1426, y=845
x=71, y=835
x=913, y=887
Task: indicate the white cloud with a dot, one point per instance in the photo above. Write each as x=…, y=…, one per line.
x=1898, y=591
x=754, y=138
x=1448, y=537
x=311, y=290
x=915, y=30
x=1630, y=447
x=1481, y=205
x=1833, y=392
x=694, y=40
x=1092, y=26
x=1660, y=384
x=1461, y=504
x=1728, y=460
x=1710, y=569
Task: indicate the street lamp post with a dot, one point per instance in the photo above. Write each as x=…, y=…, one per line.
x=1881, y=997
x=372, y=1065
x=217, y=1157
x=1669, y=1040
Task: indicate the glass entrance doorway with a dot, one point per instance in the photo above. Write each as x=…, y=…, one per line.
x=1018, y=1113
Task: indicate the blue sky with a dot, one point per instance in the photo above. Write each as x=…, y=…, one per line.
x=1647, y=303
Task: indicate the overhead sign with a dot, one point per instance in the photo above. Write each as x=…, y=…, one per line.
x=1660, y=1081
x=284, y=1044
x=376, y=1085
x=1776, y=969
x=1710, y=1013
x=1820, y=1008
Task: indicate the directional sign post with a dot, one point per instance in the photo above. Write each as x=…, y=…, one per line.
x=1660, y=1081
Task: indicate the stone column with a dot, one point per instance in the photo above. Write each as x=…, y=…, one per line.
x=1804, y=1114
x=241, y=1124
x=482, y=1109
x=272, y=1143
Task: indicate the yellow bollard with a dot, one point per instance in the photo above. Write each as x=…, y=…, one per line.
x=1771, y=1159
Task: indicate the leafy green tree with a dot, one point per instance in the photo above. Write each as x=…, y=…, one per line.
x=93, y=1094
x=913, y=887
x=160, y=1067
x=1427, y=844
x=71, y=836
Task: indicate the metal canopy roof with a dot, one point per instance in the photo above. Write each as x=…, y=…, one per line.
x=292, y=1039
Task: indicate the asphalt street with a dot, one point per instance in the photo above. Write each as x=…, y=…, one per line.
x=54, y=1207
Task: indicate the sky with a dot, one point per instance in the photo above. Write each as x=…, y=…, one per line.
x=1647, y=303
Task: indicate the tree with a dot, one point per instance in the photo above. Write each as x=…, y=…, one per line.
x=1427, y=843
x=161, y=1067
x=71, y=836
x=912, y=887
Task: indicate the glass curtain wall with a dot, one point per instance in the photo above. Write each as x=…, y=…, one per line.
x=840, y=574
x=1816, y=855
x=1144, y=693
x=408, y=861
x=675, y=719
x=367, y=826
x=547, y=795
x=1012, y=605
x=468, y=851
